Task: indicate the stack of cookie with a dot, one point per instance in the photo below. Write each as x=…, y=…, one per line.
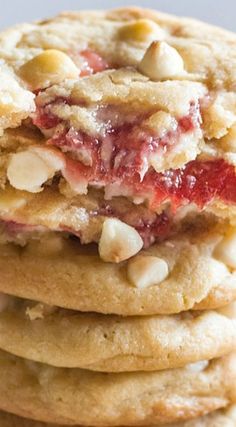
x=117, y=222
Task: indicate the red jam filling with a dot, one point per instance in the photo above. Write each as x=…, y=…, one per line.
x=15, y=229
x=121, y=158
x=122, y=151
x=151, y=226
x=44, y=119
x=151, y=229
x=198, y=182
x=93, y=63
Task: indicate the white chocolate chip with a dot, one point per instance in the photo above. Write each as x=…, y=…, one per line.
x=29, y=170
x=75, y=186
x=141, y=30
x=218, y=271
x=225, y=251
x=197, y=367
x=161, y=62
x=118, y=241
x=145, y=271
x=39, y=311
x=49, y=67
x=51, y=156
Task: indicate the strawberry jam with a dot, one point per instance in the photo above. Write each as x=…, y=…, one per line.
x=93, y=63
x=198, y=182
x=122, y=151
x=119, y=160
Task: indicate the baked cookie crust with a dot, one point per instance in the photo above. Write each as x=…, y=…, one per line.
x=72, y=276
x=111, y=343
x=224, y=418
x=85, y=90
x=88, y=398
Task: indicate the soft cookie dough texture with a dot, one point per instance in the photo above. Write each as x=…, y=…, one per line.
x=195, y=276
x=92, y=398
x=113, y=343
x=224, y=418
x=117, y=222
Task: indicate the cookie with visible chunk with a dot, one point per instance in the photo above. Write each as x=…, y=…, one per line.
x=167, y=278
x=131, y=104
x=68, y=396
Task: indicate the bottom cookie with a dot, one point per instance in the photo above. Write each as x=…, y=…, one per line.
x=223, y=418
x=75, y=396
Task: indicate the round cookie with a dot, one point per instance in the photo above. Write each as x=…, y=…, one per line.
x=74, y=277
x=96, y=342
x=74, y=396
x=226, y=418
x=72, y=30
x=119, y=39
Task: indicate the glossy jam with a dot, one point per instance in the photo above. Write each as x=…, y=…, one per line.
x=157, y=230
x=93, y=63
x=44, y=119
x=198, y=182
x=122, y=151
x=121, y=158
x=151, y=226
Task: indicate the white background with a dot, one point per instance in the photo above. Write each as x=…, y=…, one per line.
x=219, y=12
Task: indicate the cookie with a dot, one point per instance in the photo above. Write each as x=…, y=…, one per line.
x=224, y=418
x=135, y=170
x=221, y=418
x=125, y=127
x=69, y=339
x=16, y=102
x=74, y=396
x=173, y=277
x=132, y=104
x=83, y=216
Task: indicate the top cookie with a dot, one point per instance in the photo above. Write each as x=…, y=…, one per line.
x=132, y=102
